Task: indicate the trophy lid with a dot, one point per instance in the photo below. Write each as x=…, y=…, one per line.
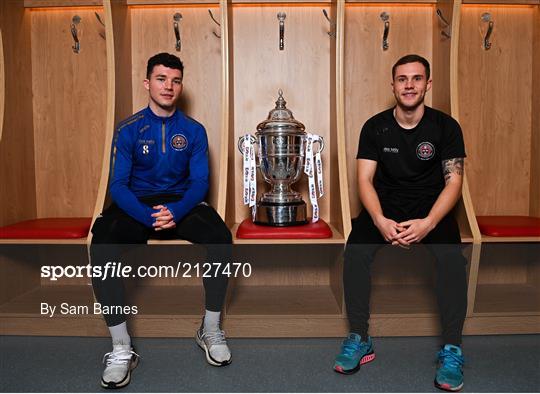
x=281, y=119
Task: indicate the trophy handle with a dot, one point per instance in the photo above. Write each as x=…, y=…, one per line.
x=241, y=143
x=321, y=144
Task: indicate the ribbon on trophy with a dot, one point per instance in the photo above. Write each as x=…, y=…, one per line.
x=250, y=179
x=314, y=166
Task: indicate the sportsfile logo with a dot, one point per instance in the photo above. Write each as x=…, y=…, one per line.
x=109, y=270
x=120, y=270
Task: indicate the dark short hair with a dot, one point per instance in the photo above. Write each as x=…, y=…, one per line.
x=164, y=59
x=411, y=59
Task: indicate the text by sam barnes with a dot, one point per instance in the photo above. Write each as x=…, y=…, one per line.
x=96, y=308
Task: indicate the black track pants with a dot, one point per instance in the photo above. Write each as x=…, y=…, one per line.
x=202, y=225
x=451, y=283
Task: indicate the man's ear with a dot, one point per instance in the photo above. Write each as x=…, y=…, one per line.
x=146, y=84
x=428, y=87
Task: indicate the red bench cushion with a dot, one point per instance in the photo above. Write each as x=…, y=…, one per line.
x=509, y=226
x=48, y=228
x=248, y=229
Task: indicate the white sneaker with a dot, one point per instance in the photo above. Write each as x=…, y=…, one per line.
x=215, y=346
x=119, y=364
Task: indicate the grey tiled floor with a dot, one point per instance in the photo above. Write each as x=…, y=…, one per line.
x=493, y=363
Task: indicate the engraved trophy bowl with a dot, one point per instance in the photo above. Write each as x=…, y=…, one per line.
x=282, y=143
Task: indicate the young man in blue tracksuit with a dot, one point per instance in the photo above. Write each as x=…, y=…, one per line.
x=410, y=174
x=158, y=181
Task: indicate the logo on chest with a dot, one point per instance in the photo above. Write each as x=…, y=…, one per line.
x=425, y=150
x=179, y=142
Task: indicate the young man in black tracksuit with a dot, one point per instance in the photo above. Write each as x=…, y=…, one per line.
x=410, y=174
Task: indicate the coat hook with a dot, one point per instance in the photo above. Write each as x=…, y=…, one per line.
x=442, y=18
x=281, y=17
x=177, y=17
x=486, y=17
x=98, y=17
x=74, y=22
x=385, y=17
x=332, y=32
x=216, y=22
x=446, y=29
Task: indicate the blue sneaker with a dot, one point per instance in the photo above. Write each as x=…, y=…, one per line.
x=354, y=353
x=450, y=371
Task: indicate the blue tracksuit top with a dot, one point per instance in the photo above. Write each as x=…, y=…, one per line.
x=154, y=155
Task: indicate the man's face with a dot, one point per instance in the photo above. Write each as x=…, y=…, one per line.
x=410, y=85
x=164, y=86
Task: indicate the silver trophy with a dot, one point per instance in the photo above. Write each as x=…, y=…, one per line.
x=282, y=147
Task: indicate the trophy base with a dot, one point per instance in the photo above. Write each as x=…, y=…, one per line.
x=281, y=214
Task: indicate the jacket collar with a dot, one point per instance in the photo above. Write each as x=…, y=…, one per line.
x=167, y=119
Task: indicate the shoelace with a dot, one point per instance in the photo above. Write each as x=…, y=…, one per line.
x=450, y=359
x=349, y=347
x=215, y=337
x=120, y=357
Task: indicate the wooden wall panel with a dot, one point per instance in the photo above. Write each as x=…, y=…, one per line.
x=123, y=97
x=505, y=263
x=69, y=111
x=232, y=176
x=2, y=84
x=533, y=274
x=495, y=108
x=62, y=3
x=152, y=32
x=287, y=265
x=441, y=57
x=368, y=68
x=119, y=96
x=302, y=70
x=225, y=109
x=19, y=273
x=340, y=120
x=502, y=274
x=335, y=214
x=278, y=274
x=534, y=203
x=18, y=196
